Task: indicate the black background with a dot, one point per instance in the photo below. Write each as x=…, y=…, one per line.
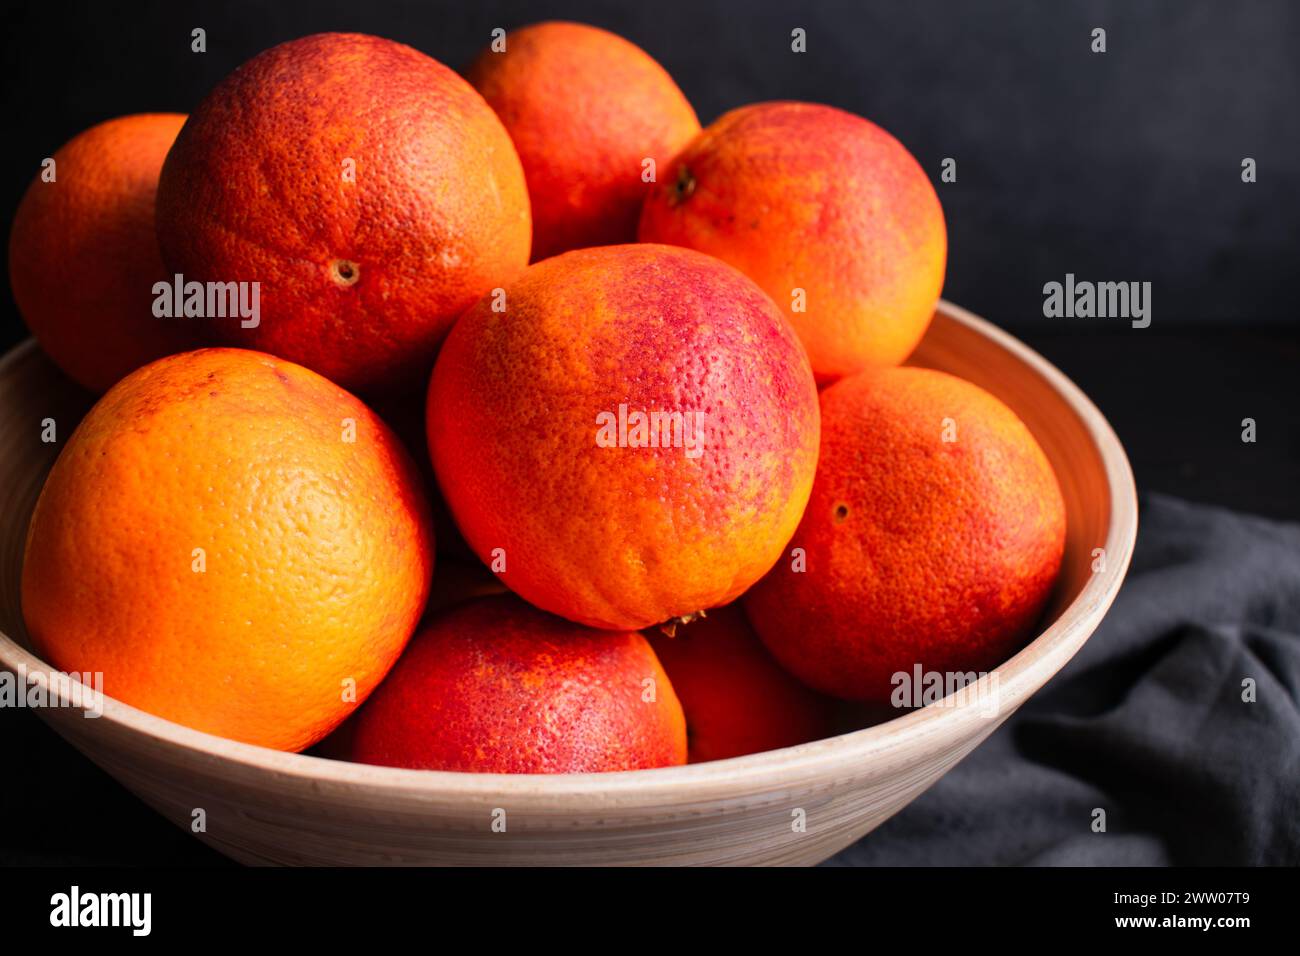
x=1117, y=166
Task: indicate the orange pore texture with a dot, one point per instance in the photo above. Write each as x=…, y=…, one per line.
x=317, y=550
x=624, y=537
x=919, y=550
x=497, y=686
x=803, y=196
x=585, y=109
x=736, y=699
x=83, y=252
x=360, y=279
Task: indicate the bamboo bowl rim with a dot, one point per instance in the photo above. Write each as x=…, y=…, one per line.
x=1018, y=677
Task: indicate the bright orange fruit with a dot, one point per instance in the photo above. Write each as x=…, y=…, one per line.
x=235, y=542
x=83, y=252
x=826, y=211
x=586, y=109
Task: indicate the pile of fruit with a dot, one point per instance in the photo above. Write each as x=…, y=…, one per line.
x=648, y=373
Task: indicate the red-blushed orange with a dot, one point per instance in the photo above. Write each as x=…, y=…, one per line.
x=583, y=508
x=497, y=686
x=370, y=191
x=826, y=211
x=933, y=536
x=736, y=699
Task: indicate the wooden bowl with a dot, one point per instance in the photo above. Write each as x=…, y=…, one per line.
x=263, y=806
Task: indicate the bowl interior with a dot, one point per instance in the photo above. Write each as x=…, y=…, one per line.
x=1089, y=462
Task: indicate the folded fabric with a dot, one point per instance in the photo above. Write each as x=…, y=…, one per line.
x=1180, y=719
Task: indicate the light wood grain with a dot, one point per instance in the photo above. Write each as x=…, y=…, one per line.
x=267, y=807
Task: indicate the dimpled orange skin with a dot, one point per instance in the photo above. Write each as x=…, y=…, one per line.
x=83, y=252
x=804, y=196
x=497, y=686
x=316, y=550
x=917, y=550
x=360, y=280
x=625, y=537
x=736, y=699
x=585, y=109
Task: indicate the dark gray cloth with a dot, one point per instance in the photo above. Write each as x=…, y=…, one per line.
x=1147, y=722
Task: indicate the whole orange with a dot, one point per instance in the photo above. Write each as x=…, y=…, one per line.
x=736, y=699
x=826, y=211
x=367, y=188
x=627, y=436
x=497, y=686
x=235, y=542
x=933, y=536
x=586, y=109
x=83, y=252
